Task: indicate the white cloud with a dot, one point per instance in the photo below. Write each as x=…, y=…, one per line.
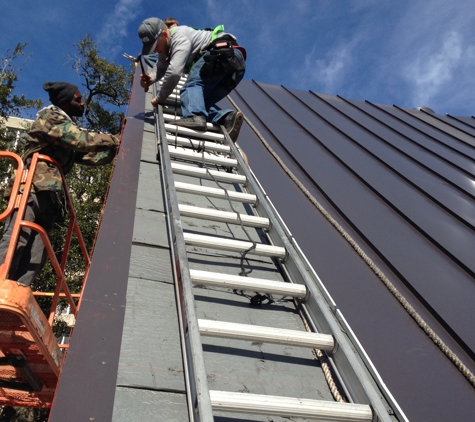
x=115, y=27
x=428, y=59
x=330, y=71
x=327, y=74
x=436, y=67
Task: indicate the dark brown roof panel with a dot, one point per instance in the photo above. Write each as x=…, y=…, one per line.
x=465, y=122
x=401, y=182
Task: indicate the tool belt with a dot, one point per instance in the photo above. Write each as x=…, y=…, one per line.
x=221, y=58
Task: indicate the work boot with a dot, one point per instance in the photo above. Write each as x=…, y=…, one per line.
x=233, y=122
x=192, y=122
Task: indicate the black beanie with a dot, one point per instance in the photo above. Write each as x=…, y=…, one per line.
x=60, y=92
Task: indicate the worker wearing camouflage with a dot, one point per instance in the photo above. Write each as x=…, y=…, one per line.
x=54, y=134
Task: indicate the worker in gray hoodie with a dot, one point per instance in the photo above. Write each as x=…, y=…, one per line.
x=215, y=64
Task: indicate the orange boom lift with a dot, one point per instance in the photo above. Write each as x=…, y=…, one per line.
x=30, y=356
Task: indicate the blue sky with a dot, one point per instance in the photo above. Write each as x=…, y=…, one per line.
x=407, y=52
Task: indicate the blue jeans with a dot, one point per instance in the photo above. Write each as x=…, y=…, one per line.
x=200, y=94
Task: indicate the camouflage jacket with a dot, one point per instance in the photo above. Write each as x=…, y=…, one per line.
x=54, y=134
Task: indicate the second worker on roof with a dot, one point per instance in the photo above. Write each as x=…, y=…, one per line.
x=215, y=64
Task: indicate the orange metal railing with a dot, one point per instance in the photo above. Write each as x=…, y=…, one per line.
x=19, y=198
x=30, y=356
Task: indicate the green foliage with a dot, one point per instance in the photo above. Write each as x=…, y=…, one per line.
x=23, y=414
x=107, y=86
x=10, y=103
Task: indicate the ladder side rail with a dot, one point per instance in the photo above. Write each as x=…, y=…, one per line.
x=356, y=378
x=195, y=373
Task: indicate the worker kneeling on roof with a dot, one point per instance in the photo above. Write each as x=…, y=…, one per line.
x=54, y=134
x=216, y=65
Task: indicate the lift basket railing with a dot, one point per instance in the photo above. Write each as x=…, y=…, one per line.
x=21, y=189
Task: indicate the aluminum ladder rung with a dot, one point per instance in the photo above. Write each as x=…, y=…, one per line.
x=212, y=136
x=174, y=97
x=170, y=118
x=194, y=143
x=176, y=94
x=201, y=157
x=223, y=216
x=208, y=278
x=172, y=102
x=232, y=245
x=257, y=404
x=180, y=83
x=168, y=108
x=176, y=91
x=258, y=333
x=221, y=176
x=215, y=192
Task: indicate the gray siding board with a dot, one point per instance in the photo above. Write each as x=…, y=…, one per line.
x=149, y=194
x=151, y=263
x=204, y=182
x=149, y=148
x=214, y=228
x=150, y=228
x=150, y=379
x=151, y=352
x=149, y=406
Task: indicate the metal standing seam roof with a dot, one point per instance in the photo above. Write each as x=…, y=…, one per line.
x=401, y=182
x=125, y=360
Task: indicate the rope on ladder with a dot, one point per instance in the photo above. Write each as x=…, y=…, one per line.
x=379, y=273
x=322, y=358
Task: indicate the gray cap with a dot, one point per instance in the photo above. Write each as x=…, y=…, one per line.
x=149, y=31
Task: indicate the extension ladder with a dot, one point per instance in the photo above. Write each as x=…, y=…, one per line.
x=206, y=179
